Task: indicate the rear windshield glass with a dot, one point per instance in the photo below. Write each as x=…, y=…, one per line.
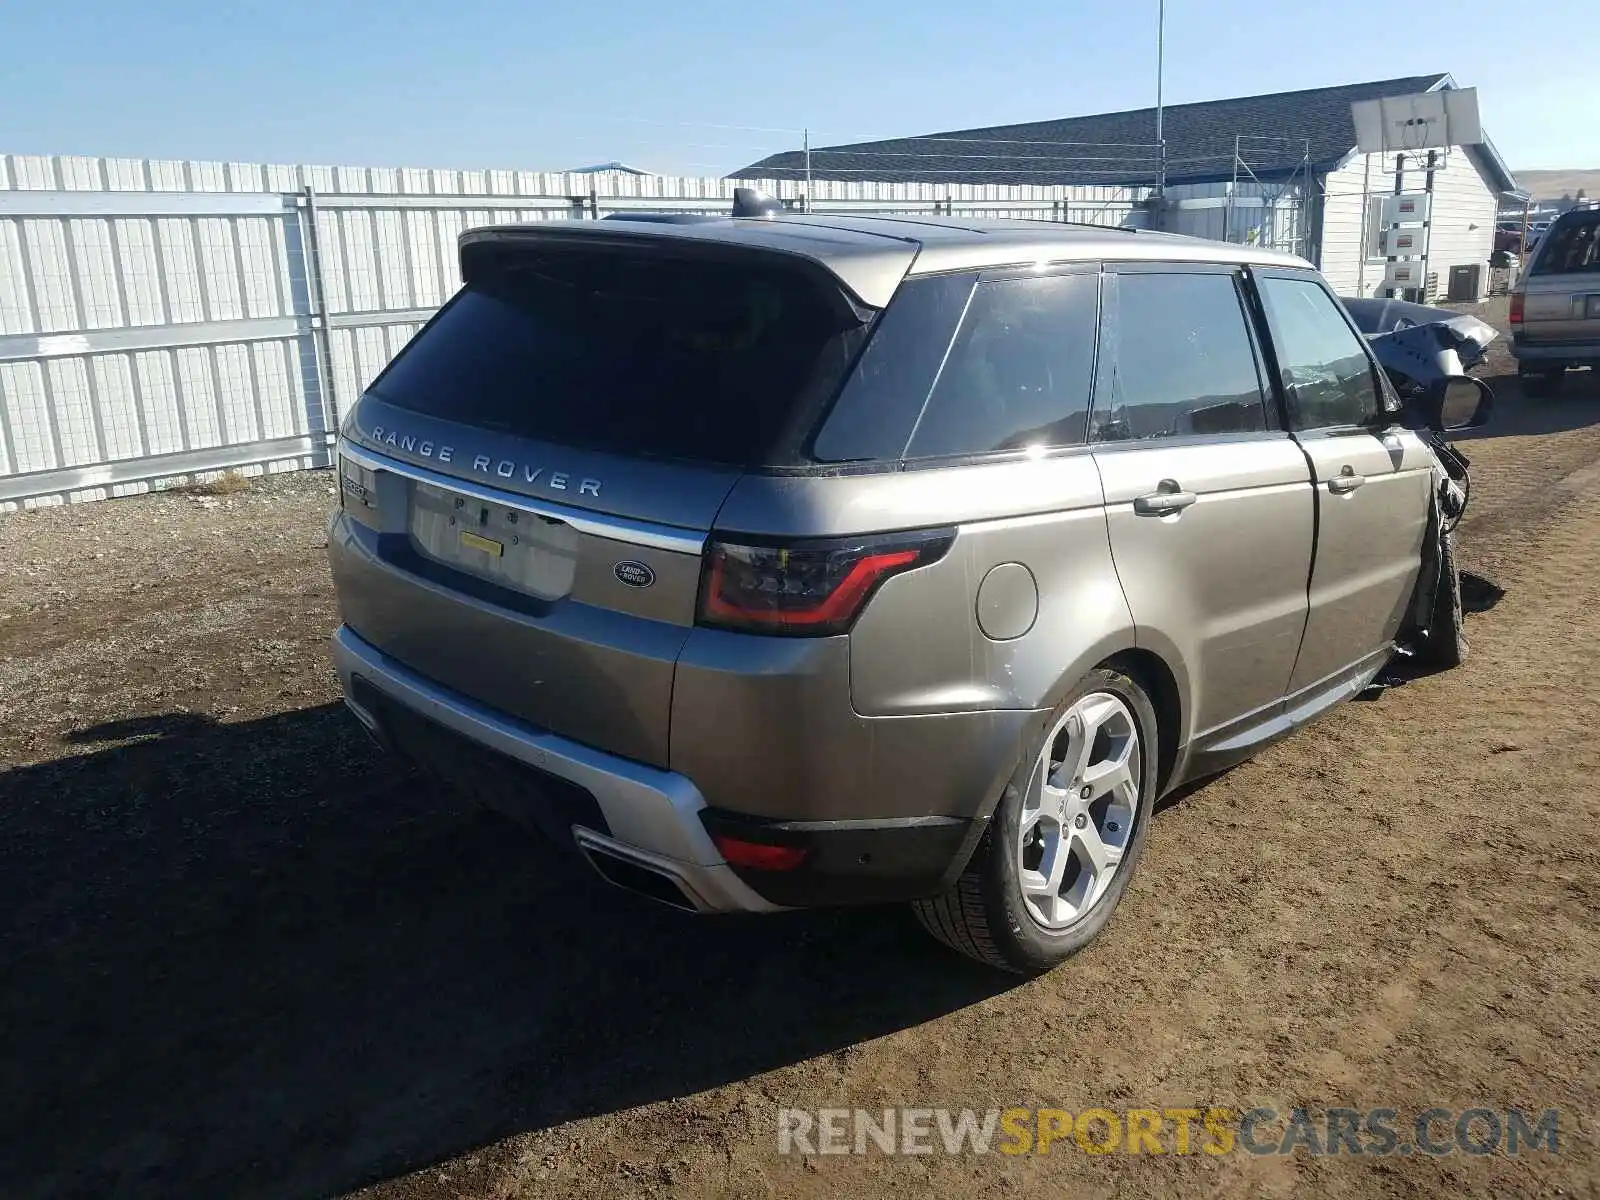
x=1570, y=247
x=635, y=354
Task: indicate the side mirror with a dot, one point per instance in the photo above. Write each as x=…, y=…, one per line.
x=1456, y=402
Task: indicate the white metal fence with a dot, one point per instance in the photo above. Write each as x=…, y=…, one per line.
x=160, y=320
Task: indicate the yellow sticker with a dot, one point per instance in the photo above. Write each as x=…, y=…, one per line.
x=487, y=545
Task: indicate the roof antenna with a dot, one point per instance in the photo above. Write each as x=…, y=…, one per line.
x=750, y=202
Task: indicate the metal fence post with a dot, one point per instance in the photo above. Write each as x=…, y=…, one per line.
x=317, y=293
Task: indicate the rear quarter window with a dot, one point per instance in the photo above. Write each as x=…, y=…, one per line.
x=1019, y=372
x=879, y=405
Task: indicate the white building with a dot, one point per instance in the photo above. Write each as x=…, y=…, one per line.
x=1280, y=169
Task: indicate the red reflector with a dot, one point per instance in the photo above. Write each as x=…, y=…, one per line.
x=1517, y=300
x=759, y=855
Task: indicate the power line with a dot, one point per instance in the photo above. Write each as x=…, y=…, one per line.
x=703, y=125
x=1112, y=171
x=866, y=139
x=987, y=141
x=1004, y=157
x=1222, y=151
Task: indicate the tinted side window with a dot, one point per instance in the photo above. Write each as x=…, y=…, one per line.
x=1179, y=362
x=1326, y=373
x=878, y=407
x=1019, y=372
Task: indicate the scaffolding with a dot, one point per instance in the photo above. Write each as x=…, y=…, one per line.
x=1273, y=214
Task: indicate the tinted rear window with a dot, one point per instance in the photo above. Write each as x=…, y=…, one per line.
x=642, y=355
x=1571, y=247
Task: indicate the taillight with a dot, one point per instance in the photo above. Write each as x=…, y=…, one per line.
x=806, y=589
x=1517, y=300
x=357, y=489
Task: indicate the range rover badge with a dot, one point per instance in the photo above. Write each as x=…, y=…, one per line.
x=634, y=574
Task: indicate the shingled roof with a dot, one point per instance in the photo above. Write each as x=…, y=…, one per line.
x=1116, y=147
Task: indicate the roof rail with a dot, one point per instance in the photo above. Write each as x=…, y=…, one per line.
x=1102, y=228
x=660, y=218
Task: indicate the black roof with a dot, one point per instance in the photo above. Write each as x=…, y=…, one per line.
x=1114, y=148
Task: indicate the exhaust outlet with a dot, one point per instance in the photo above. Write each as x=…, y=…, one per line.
x=634, y=874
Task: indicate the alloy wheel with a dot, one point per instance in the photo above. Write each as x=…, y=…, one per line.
x=1077, y=820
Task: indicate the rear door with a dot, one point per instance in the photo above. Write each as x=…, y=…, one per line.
x=1208, y=499
x=1562, y=287
x=1372, y=479
x=530, y=481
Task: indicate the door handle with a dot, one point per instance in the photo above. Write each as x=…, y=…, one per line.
x=1346, y=481
x=1167, y=498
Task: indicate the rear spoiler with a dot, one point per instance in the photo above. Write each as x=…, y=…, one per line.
x=863, y=271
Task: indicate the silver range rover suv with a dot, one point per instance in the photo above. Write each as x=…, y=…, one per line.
x=771, y=563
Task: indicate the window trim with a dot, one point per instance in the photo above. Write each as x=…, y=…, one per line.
x=1130, y=445
x=1385, y=418
x=1110, y=333
x=1011, y=274
x=1045, y=270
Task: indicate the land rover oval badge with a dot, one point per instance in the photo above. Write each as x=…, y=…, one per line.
x=634, y=574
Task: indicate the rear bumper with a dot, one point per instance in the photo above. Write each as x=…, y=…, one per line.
x=650, y=817
x=1555, y=354
x=642, y=827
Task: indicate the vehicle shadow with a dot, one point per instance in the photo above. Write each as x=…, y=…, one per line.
x=1183, y=791
x=1479, y=595
x=258, y=959
x=1577, y=406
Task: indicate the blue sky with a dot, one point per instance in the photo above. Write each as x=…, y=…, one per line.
x=553, y=84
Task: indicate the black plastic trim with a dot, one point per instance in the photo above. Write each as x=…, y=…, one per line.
x=535, y=799
x=851, y=862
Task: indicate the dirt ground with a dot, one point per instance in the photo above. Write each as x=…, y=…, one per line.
x=244, y=956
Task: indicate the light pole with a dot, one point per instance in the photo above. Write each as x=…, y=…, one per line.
x=806, y=136
x=1161, y=141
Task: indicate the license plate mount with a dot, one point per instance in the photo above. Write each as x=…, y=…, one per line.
x=493, y=540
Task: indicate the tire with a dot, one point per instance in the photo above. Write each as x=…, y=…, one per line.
x=1540, y=385
x=989, y=915
x=1445, y=645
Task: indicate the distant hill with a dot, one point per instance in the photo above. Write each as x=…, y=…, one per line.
x=1552, y=185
